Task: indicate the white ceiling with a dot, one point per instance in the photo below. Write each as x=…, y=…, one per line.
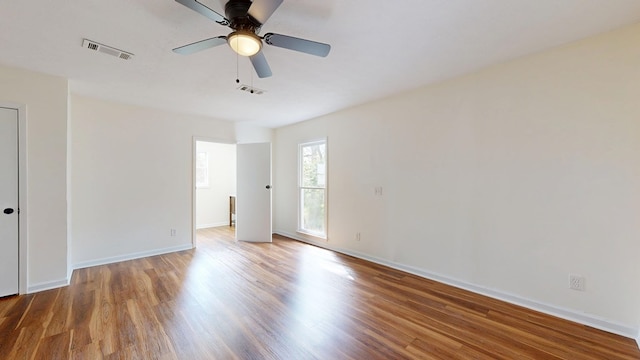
x=378, y=48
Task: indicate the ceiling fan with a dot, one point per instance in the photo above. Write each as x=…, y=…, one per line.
x=246, y=18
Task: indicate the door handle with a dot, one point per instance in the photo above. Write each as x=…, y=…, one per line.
x=268, y=187
x=8, y=211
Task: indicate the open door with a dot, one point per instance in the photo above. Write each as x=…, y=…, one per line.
x=9, y=240
x=253, y=192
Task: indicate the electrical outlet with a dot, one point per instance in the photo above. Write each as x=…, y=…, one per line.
x=576, y=282
x=357, y=236
x=173, y=232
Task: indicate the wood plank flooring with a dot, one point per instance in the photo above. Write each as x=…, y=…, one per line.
x=284, y=300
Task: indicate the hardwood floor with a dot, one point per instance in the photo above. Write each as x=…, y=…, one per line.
x=285, y=300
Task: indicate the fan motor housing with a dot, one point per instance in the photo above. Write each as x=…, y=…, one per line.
x=236, y=11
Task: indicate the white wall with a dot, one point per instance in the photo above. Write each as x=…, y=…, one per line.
x=212, y=202
x=504, y=181
x=132, y=178
x=248, y=133
x=45, y=98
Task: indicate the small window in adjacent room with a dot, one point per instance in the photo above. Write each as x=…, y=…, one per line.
x=202, y=170
x=312, y=186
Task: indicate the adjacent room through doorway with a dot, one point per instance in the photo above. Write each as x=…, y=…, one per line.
x=215, y=184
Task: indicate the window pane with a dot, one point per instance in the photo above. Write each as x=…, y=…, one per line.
x=202, y=170
x=314, y=165
x=312, y=206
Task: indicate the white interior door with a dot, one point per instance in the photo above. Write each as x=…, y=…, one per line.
x=253, y=192
x=8, y=201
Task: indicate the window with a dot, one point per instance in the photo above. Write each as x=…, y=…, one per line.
x=312, y=184
x=202, y=170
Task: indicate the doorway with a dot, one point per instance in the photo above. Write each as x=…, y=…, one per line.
x=215, y=184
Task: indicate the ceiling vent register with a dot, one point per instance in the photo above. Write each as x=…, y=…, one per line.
x=92, y=45
x=251, y=89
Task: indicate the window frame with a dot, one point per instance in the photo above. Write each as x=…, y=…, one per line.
x=300, y=189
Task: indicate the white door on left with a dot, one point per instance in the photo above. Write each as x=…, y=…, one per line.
x=8, y=201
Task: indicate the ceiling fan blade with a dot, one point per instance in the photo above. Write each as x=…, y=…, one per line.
x=297, y=44
x=204, y=10
x=261, y=65
x=262, y=10
x=200, y=45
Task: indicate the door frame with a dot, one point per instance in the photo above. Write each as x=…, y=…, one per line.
x=193, y=178
x=22, y=194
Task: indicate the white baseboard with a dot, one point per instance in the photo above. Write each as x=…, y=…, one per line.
x=48, y=285
x=564, y=313
x=125, y=257
x=217, y=224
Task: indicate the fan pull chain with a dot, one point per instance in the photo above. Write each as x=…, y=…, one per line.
x=251, y=82
x=237, y=76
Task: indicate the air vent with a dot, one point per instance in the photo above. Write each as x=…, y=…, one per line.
x=251, y=89
x=92, y=45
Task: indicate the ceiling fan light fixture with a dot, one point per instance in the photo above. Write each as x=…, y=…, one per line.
x=245, y=43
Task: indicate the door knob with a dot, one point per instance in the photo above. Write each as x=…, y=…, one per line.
x=8, y=211
x=268, y=187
